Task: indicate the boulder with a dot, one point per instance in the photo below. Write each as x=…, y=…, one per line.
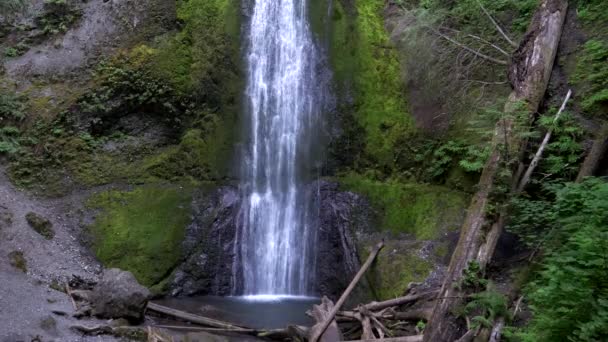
x=119, y=295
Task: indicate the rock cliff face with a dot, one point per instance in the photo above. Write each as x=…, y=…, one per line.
x=208, y=248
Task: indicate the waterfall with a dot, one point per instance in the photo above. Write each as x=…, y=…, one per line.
x=276, y=238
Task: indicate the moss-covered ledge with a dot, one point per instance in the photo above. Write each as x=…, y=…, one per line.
x=141, y=230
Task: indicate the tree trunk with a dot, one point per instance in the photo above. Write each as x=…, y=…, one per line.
x=529, y=75
x=600, y=144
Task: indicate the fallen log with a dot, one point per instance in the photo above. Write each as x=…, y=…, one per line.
x=414, y=338
x=319, y=328
x=529, y=75
x=321, y=313
x=192, y=317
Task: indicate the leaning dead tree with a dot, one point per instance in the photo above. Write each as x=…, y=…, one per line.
x=529, y=75
x=598, y=150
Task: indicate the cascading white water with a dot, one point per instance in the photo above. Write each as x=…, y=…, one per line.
x=276, y=239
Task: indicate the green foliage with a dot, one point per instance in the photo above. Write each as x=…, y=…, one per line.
x=367, y=79
x=486, y=307
x=513, y=14
x=58, y=16
x=418, y=209
x=569, y=297
x=592, y=77
x=203, y=57
x=472, y=278
x=125, y=85
x=12, y=112
x=11, y=6
x=593, y=14
x=141, y=230
x=12, y=107
x=564, y=151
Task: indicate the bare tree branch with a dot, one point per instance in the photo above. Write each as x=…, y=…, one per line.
x=502, y=33
x=526, y=178
x=476, y=53
x=498, y=48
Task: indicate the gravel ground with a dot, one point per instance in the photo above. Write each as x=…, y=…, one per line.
x=26, y=300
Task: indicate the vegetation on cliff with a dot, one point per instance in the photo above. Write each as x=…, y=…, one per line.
x=141, y=230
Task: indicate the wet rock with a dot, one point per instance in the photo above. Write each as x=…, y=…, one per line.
x=41, y=225
x=119, y=295
x=342, y=215
x=208, y=247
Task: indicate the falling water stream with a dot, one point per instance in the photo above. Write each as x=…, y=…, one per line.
x=275, y=242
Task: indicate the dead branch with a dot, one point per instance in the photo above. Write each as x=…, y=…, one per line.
x=375, y=306
x=498, y=28
x=496, y=47
x=497, y=330
x=319, y=329
x=476, y=53
x=68, y=291
x=526, y=178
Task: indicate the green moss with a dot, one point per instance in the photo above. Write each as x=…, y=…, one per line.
x=41, y=225
x=419, y=209
x=396, y=267
x=141, y=230
x=367, y=69
x=17, y=260
x=203, y=57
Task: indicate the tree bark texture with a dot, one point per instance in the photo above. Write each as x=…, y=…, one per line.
x=529, y=75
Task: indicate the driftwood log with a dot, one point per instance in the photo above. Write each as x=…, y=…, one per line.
x=529, y=75
x=210, y=322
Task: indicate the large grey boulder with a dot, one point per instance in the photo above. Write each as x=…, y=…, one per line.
x=119, y=295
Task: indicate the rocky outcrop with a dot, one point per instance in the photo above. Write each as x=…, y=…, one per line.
x=208, y=247
x=119, y=295
x=209, y=251
x=342, y=214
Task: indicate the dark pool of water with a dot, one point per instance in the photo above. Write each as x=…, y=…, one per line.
x=260, y=312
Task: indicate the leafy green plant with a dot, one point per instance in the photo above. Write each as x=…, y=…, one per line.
x=485, y=307
x=569, y=297
x=592, y=77
x=58, y=16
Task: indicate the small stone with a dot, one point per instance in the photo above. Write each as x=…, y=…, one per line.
x=41, y=225
x=17, y=260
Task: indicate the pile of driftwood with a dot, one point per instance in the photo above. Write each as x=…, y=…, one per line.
x=380, y=321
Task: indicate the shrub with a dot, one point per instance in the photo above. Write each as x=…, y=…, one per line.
x=569, y=297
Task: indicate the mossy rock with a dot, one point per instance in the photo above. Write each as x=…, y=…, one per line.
x=41, y=225
x=18, y=261
x=395, y=268
x=141, y=230
x=424, y=211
